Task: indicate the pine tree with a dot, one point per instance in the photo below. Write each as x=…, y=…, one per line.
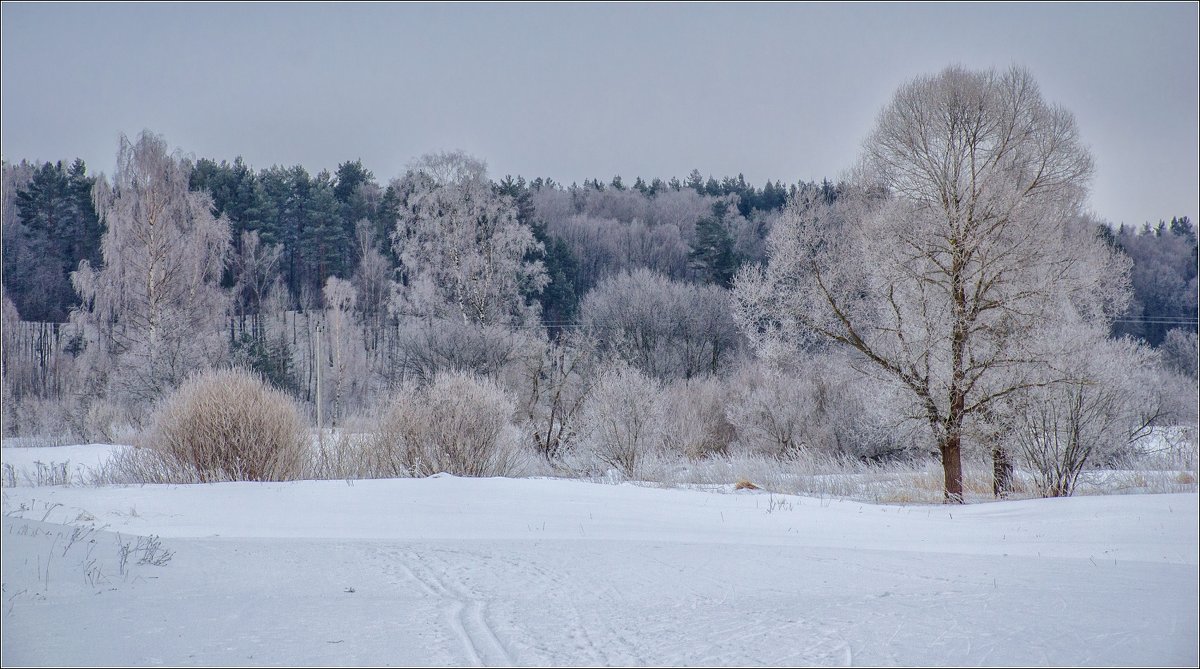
x=711, y=255
x=58, y=228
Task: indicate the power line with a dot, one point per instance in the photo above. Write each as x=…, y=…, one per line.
x=1158, y=321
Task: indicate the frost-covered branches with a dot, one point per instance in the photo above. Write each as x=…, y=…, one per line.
x=623, y=418
x=462, y=250
x=819, y=405
x=557, y=376
x=665, y=328
x=255, y=269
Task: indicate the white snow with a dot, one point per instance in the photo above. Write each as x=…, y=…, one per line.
x=454, y=571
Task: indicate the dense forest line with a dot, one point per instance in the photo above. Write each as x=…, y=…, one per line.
x=698, y=230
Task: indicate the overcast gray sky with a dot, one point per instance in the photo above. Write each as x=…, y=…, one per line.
x=774, y=91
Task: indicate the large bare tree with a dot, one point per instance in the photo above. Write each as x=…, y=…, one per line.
x=961, y=240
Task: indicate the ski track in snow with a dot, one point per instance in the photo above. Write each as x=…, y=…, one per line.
x=588, y=615
x=465, y=611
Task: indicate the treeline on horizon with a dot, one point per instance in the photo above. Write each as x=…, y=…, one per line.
x=698, y=230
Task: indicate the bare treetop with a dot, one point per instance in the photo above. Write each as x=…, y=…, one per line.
x=976, y=145
x=451, y=167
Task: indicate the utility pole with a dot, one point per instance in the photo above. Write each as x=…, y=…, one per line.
x=320, y=363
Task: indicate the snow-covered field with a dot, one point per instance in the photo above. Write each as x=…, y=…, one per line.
x=453, y=571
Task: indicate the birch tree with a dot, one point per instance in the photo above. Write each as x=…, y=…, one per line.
x=372, y=280
x=345, y=359
x=961, y=242
x=155, y=304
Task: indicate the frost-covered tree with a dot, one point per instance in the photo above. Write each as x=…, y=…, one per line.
x=667, y=329
x=372, y=280
x=817, y=405
x=9, y=322
x=462, y=251
x=155, y=305
x=1179, y=352
x=425, y=347
x=962, y=241
x=556, y=378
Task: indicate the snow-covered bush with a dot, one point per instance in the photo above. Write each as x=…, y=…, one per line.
x=623, y=418
x=459, y=424
x=230, y=425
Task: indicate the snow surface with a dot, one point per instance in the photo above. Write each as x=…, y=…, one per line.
x=454, y=571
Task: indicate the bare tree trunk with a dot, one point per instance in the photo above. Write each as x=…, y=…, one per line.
x=951, y=447
x=1002, y=471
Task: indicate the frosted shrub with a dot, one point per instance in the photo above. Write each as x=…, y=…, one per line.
x=820, y=405
x=623, y=418
x=694, y=422
x=1094, y=418
x=230, y=425
x=554, y=378
x=769, y=410
x=396, y=445
x=460, y=424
